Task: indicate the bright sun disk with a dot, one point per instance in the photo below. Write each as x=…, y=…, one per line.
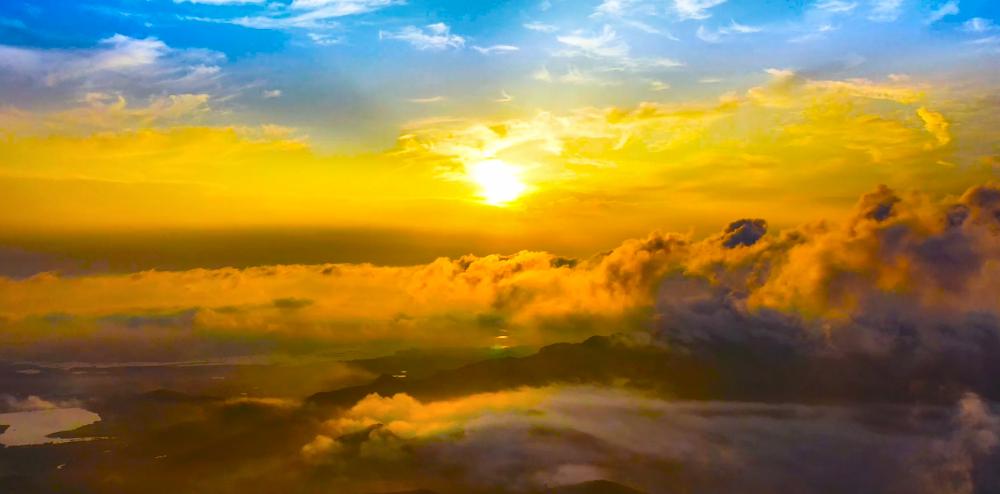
x=498, y=181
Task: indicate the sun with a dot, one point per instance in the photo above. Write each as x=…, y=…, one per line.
x=499, y=182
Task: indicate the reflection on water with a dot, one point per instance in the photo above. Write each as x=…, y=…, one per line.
x=32, y=427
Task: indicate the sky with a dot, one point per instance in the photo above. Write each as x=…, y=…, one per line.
x=497, y=126
x=384, y=171
x=480, y=247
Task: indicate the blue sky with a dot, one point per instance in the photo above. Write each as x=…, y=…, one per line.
x=353, y=71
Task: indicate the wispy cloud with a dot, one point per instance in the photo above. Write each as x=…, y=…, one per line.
x=540, y=27
x=695, y=9
x=977, y=25
x=436, y=36
x=504, y=97
x=118, y=61
x=946, y=9
x=613, y=7
x=427, y=100
x=708, y=36
x=607, y=52
x=305, y=14
x=818, y=33
x=716, y=36
x=658, y=85
x=572, y=75
x=836, y=6
x=221, y=2
x=325, y=39
x=604, y=44
x=489, y=50
x=886, y=10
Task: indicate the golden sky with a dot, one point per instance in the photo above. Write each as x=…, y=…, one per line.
x=212, y=164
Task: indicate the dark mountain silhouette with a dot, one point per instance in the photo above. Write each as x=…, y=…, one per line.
x=748, y=370
x=595, y=487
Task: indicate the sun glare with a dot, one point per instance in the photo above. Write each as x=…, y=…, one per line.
x=499, y=182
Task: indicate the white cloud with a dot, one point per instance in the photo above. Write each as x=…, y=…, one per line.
x=221, y=2
x=540, y=27
x=542, y=74
x=836, y=6
x=658, y=85
x=946, y=9
x=988, y=40
x=308, y=14
x=819, y=33
x=504, y=97
x=116, y=67
x=885, y=10
x=733, y=28
x=117, y=53
x=573, y=75
x=340, y=8
x=116, y=61
x=695, y=9
x=708, y=36
x=605, y=44
x=646, y=28
x=489, y=50
x=613, y=7
x=977, y=25
x=427, y=100
x=433, y=37
x=605, y=53
x=325, y=39
x=271, y=93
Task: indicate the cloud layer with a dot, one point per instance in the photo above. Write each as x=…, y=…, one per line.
x=904, y=272
x=531, y=439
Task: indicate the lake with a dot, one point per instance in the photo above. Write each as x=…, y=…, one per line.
x=33, y=426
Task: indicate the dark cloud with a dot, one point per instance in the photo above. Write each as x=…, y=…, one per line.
x=291, y=303
x=878, y=205
x=744, y=232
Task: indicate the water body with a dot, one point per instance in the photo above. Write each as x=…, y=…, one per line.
x=33, y=426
